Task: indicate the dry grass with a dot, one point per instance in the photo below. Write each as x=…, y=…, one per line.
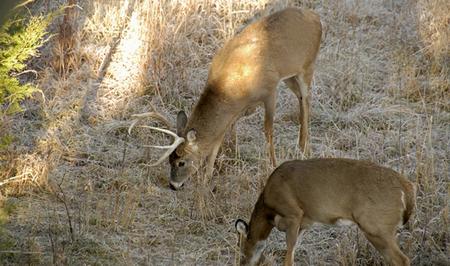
x=381, y=92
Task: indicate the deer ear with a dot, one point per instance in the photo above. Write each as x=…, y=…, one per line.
x=241, y=227
x=191, y=135
x=181, y=122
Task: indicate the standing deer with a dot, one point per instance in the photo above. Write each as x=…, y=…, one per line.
x=330, y=191
x=246, y=72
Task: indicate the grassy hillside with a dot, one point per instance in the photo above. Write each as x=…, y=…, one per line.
x=76, y=189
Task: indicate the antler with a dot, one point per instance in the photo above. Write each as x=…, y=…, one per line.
x=170, y=148
x=148, y=114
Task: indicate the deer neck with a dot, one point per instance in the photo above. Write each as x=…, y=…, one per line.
x=211, y=117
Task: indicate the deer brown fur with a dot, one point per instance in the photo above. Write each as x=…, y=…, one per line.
x=245, y=72
x=330, y=191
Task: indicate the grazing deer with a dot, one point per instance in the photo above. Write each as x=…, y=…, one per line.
x=245, y=72
x=330, y=191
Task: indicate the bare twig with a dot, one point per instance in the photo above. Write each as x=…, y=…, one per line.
x=63, y=199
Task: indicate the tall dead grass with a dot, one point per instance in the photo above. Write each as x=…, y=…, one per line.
x=380, y=93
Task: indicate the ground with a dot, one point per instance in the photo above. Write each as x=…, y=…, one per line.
x=84, y=193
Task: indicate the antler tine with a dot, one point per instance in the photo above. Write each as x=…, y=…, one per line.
x=154, y=115
x=162, y=130
x=148, y=114
x=132, y=126
x=170, y=148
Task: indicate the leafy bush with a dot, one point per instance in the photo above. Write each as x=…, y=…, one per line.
x=20, y=38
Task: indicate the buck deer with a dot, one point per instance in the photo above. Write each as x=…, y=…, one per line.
x=245, y=72
x=330, y=191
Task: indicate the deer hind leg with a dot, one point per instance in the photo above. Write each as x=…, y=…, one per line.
x=299, y=85
x=269, y=106
x=382, y=237
x=389, y=249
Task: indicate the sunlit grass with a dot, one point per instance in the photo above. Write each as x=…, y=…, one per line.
x=375, y=96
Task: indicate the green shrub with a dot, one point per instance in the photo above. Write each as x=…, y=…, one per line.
x=20, y=38
x=19, y=41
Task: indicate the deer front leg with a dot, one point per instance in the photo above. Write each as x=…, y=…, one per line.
x=291, y=226
x=304, y=100
x=269, y=106
x=301, y=89
x=291, y=240
x=212, y=158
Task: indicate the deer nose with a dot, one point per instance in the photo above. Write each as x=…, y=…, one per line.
x=175, y=185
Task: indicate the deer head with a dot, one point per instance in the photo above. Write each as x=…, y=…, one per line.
x=185, y=159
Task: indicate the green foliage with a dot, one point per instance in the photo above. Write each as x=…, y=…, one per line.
x=19, y=41
x=5, y=141
x=6, y=209
x=20, y=38
x=7, y=241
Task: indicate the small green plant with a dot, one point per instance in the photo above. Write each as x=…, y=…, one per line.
x=20, y=38
x=7, y=241
x=19, y=41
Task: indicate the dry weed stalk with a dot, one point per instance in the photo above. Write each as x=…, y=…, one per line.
x=66, y=49
x=25, y=171
x=434, y=28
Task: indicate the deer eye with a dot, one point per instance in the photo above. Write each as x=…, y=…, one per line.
x=181, y=163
